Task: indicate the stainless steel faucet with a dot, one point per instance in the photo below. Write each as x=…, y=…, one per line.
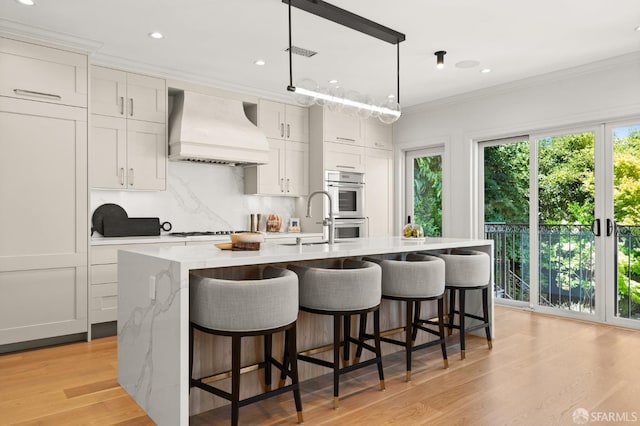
x=325, y=222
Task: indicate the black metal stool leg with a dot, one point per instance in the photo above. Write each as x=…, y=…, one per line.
x=268, y=344
x=346, y=339
x=443, y=345
x=235, y=378
x=452, y=309
x=485, y=315
x=285, y=359
x=416, y=320
x=362, y=329
x=291, y=349
x=336, y=359
x=376, y=334
x=408, y=333
x=462, y=315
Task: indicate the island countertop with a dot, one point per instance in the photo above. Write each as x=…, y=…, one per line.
x=153, y=309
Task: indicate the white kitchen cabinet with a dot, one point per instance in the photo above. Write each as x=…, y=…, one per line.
x=378, y=135
x=342, y=128
x=121, y=94
x=287, y=172
x=338, y=156
x=43, y=250
x=282, y=121
x=379, y=192
x=38, y=73
x=104, y=279
x=127, y=153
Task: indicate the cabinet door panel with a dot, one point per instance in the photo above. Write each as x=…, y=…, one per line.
x=146, y=98
x=379, y=192
x=40, y=303
x=146, y=155
x=342, y=128
x=297, y=123
x=271, y=119
x=297, y=168
x=108, y=91
x=271, y=176
x=108, y=152
x=39, y=73
x=378, y=135
x=343, y=157
x=42, y=178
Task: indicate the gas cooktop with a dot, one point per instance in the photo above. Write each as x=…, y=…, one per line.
x=198, y=233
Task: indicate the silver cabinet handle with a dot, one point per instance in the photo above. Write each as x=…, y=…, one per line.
x=281, y=184
x=288, y=131
x=345, y=167
x=340, y=138
x=131, y=108
x=121, y=105
x=37, y=94
x=121, y=176
x=282, y=130
x=288, y=181
x=131, y=177
x=368, y=226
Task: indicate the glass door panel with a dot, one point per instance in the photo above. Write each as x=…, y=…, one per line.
x=424, y=189
x=626, y=211
x=566, y=204
x=505, y=168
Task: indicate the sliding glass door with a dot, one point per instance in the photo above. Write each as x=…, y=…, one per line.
x=563, y=209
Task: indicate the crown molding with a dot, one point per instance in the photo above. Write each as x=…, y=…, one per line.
x=51, y=38
x=530, y=82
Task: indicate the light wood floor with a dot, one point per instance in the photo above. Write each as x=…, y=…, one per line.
x=540, y=370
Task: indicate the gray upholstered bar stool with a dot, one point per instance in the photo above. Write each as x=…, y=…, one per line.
x=342, y=289
x=415, y=279
x=246, y=302
x=467, y=270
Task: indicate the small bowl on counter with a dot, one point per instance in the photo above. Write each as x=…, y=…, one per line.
x=243, y=241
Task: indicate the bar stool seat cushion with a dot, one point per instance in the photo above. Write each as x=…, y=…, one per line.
x=420, y=276
x=244, y=305
x=466, y=268
x=354, y=286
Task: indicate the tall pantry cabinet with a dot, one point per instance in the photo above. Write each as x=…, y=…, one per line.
x=43, y=188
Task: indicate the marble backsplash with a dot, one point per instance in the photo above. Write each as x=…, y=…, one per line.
x=199, y=197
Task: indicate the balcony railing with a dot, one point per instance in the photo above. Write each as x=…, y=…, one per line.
x=566, y=266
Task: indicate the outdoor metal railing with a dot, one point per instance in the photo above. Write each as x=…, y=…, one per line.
x=566, y=266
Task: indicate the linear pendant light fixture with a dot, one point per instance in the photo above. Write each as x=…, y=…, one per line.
x=386, y=113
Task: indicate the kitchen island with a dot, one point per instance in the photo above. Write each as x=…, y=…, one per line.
x=153, y=313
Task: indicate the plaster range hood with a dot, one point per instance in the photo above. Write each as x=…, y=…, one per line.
x=211, y=129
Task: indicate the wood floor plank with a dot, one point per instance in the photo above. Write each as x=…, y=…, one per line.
x=540, y=370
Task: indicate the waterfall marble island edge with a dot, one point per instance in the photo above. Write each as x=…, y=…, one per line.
x=153, y=309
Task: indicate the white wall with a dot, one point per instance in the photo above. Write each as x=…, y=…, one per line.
x=199, y=197
x=595, y=93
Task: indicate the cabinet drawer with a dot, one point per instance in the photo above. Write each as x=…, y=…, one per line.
x=38, y=73
x=343, y=157
x=378, y=135
x=102, y=274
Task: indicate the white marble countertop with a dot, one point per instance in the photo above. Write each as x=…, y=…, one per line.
x=198, y=257
x=103, y=241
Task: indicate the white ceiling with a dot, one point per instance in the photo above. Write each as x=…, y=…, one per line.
x=217, y=42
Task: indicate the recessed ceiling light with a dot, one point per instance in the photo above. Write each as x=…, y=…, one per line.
x=333, y=81
x=27, y=2
x=638, y=28
x=391, y=96
x=156, y=34
x=259, y=62
x=485, y=70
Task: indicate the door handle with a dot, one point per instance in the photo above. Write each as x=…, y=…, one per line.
x=121, y=176
x=611, y=226
x=130, y=177
x=24, y=92
x=595, y=227
x=282, y=130
x=288, y=131
x=121, y=105
x=131, y=107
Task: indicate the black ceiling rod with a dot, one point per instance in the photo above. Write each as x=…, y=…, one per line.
x=398, y=73
x=290, y=87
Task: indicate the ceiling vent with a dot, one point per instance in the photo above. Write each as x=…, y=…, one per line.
x=301, y=51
